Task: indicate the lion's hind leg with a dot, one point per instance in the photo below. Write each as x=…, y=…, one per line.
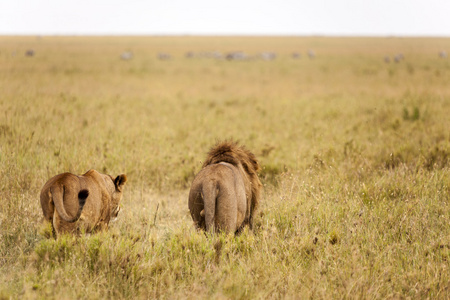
x=197, y=208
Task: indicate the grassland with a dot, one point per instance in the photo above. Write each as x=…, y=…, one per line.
x=355, y=155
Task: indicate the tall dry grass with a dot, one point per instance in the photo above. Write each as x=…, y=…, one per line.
x=355, y=155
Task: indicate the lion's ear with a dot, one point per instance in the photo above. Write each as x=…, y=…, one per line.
x=120, y=181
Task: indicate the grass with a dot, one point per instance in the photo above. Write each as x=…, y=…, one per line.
x=355, y=155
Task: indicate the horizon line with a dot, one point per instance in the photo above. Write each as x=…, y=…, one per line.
x=318, y=35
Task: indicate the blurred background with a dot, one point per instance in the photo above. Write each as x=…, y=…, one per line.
x=232, y=17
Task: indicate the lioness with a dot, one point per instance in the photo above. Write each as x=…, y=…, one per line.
x=225, y=193
x=74, y=204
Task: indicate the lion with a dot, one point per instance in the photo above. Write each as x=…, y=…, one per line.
x=225, y=193
x=75, y=204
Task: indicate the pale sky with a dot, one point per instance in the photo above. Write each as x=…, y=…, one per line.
x=227, y=17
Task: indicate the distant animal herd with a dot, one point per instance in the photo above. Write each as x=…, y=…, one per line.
x=241, y=55
x=224, y=195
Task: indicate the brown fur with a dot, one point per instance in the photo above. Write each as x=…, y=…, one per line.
x=74, y=204
x=225, y=193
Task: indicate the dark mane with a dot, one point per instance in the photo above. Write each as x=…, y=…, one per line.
x=232, y=153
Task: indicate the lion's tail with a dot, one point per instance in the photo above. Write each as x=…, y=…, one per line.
x=209, y=193
x=57, y=195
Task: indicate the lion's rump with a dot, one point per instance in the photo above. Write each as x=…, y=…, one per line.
x=245, y=167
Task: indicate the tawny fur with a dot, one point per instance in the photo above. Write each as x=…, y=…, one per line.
x=225, y=194
x=74, y=204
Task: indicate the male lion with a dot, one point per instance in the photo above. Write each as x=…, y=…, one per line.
x=225, y=193
x=74, y=204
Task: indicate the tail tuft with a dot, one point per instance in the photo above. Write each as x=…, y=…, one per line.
x=82, y=196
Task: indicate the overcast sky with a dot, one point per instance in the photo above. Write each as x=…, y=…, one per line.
x=226, y=17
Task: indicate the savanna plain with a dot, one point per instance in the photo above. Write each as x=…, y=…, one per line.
x=355, y=156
